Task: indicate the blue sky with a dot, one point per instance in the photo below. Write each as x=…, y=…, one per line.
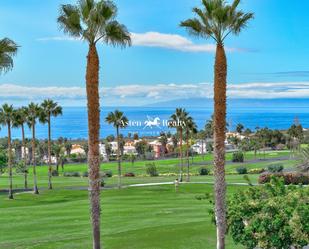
x=272, y=53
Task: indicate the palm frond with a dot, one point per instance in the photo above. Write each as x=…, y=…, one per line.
x=8, y=49
x=69, y=20
x=117, y=35
x=217, y=20
x=193, y=26
x=85, y=7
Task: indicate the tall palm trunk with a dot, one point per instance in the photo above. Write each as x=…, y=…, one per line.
x=92, y=86
x=50, y=186
x=219, y=147
x=180, y=154
x=24, y=156
x=188, y=159
x=202, y=149
x=118, y=159
x=10, y=162
x=35, y=183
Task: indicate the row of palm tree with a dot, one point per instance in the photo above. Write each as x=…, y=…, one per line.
x=18, y=118
x=95, y=21
x=185, y=125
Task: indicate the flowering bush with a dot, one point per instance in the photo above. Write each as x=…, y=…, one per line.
x=256, y=171
x=129, y=174
x=288, y=178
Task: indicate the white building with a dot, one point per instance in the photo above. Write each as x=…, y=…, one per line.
x=200, y=147
x=129, y=149
x=77, y=149
x=103, y=151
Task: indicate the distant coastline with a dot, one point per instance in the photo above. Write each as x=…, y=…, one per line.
x=275, y=114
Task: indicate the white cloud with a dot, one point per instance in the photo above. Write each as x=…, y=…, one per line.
x=32, y=92
x=158, y=40
x=130, y=95
x=58, y=38
x=169, y=41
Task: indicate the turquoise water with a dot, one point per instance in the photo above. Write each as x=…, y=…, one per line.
x=73, y=123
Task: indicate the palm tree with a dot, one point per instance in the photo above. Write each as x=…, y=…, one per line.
x=58, y=149
x=190, y=128
x=33, y=113
x=118, y=120
x=216, y=19
x=8, y=49
x=177, y=121
x=163, y=140
x=239, y=128
x=49, y=109
x=20, y=120
x=7, y=118
x=93, y=22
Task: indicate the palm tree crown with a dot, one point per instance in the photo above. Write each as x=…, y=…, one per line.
x=33, y=112
x=191, y=126
x=117, y=119
x=7, y=114
x=93, y=21
x=20, y=117
x=8, y=49
x=217, y=20
x=179, y=117
x=49, y=109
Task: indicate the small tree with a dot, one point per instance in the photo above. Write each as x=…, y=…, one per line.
x=132, y=158
x=3, y=161
x=119, y=121
x=270, y=216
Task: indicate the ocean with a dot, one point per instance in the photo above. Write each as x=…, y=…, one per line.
x=73, y=123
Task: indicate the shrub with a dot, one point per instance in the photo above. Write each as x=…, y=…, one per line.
x=149, y=155
x=288, y=178
x=238, y=157
x=151, y=169
x=280, y=147
x=275, y=168
x=242, y=170
x=78, y=158
x=256, y=171
x=85, y=174
x=55, y=173
x=21, y=167
x=102, y=182
x=129, y=174
x=107, y=173
x=71, y=174
x=204, y=171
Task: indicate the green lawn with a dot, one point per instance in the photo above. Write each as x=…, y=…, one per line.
x=139, y=169
x=132, y=218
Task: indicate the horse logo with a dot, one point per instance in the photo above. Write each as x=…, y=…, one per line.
x=152, y=122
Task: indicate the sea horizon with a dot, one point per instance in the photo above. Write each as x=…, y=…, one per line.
x=73, y=123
